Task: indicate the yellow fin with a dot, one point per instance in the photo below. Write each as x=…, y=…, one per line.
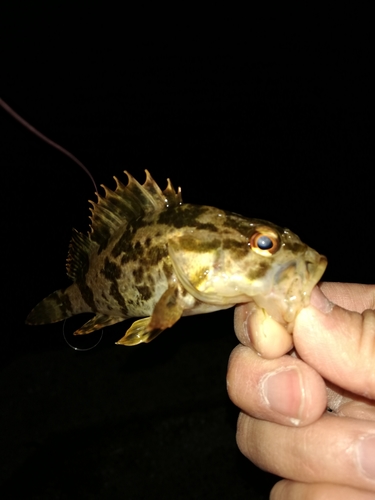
x=166, y=313
x=97, y=322
x=139, y=333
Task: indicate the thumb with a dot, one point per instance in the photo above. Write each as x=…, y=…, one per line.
x=338, y=343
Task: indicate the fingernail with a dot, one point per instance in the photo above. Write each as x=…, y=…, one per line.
x=366, y=456
x=283, y=392
x=320, y=301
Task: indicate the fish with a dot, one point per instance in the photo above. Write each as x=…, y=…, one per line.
x=148, y=255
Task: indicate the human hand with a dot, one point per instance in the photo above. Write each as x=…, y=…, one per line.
x=283, y=427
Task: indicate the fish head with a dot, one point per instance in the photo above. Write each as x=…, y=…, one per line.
x=294, y=270
x=248, y=260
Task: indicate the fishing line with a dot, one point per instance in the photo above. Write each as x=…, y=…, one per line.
x=32, y=129
x=80, y=348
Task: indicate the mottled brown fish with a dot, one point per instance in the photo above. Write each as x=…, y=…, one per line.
x=149, y=255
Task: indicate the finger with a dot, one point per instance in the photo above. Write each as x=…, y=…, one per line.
x=283, y=390
x=331, y=450
x=352, y=296
x=346, y=404
x=358, y=409
x=339, y=344
x=292, y=490
x=256, y=329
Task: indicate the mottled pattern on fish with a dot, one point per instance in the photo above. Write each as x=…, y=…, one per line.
x=148, y=255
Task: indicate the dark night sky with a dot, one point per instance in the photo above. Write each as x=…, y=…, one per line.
x=278, y=133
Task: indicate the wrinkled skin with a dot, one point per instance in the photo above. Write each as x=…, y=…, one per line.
x=283, y=398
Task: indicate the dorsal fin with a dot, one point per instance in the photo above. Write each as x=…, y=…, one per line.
x=114, y=210
x=79, y=251
x=127, y=203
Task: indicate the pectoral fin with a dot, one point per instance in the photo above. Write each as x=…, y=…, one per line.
x=166, y=313
x=139, y=332
x=96, y=323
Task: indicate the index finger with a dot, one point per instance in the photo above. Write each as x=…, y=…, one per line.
x=254, y=328
x=338, y=343
x=353, y=296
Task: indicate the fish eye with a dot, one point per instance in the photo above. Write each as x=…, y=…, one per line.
x=265, y=242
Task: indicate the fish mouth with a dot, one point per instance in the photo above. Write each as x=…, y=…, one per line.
x=315, y=264
x=293, y=284
x=307, y=275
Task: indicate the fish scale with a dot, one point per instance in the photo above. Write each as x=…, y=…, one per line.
x=150, y=256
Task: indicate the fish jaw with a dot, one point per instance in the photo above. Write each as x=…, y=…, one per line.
x=291, y=288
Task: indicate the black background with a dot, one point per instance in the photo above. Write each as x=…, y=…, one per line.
x=275, y=130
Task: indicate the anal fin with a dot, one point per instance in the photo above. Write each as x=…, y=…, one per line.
x=166, y=313
x=97, y=322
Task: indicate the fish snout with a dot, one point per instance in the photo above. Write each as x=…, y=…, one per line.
x=315, y=265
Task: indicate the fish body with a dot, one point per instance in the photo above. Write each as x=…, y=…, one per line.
x=148, y=255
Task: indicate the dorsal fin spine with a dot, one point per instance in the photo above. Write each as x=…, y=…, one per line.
x=128, y=202
x=80, y=248
x=114, y=210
